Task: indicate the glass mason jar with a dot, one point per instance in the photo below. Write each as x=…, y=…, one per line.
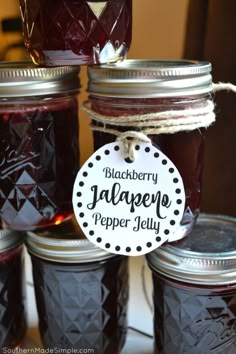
x=139, y=87
x=12, y=307
x=81, y=291
x=75, y=32
x=195, y=290
x=39, y=154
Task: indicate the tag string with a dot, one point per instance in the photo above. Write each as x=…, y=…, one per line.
x=224, y=86
x=154, y=123
x=166, y=122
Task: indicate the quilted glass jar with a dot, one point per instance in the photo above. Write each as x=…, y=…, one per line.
x=39, y=154
x=81, y=291
x=12, y=306
x=75, y=32
x=124, y=94
x=195, y=290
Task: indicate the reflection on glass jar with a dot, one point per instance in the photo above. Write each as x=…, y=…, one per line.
x=195, y=290
x=81, y=291
x=139, y=89
x=12, y=310
x=77, y=32
x=39, y=154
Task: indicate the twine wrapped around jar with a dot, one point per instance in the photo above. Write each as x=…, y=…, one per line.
x=164, y=122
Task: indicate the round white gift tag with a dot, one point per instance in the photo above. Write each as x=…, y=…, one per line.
x=126, y=207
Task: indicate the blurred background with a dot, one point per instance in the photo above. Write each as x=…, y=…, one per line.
x=167, y=29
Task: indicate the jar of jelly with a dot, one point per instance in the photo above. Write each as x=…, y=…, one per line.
x=75, y=32
x=195, y=290
x=39, y=154
x=175, y=89
x=81, y=291
x=12, y=307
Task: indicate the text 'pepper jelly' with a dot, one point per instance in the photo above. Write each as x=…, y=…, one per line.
x=168, y=101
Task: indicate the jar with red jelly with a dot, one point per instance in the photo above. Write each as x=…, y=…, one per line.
x=81, y=291
x=169, y=102
x=39, y=153
x=75, y=32
x=195, y=290
x=12, y=294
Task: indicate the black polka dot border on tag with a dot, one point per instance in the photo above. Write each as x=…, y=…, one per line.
x=88, y=176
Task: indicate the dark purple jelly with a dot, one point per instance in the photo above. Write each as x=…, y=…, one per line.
x=39, y=153
x=184, y=149
x=143, y=89
x=192, y=319
x=39, y=161
x=81, y=292
x=75, y=32
x=194, y=290
x=12, y=307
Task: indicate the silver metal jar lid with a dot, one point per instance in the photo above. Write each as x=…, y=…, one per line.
x=10, y=239
x=206, y=256
x=64, y=243
x=20, y=79
x=150, y=78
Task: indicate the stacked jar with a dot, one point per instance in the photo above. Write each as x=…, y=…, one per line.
x=39, y=153
x=12, y=295
x=39, y=160
x=78, y=32
x=195, y=290
x=81, y=290
x=168, y=101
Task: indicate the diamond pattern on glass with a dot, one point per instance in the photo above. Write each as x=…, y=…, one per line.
x=82, y=308
x=97, y=7
x=191, y=320
x=12, y=314
x=37, y=146
x=80, y=32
